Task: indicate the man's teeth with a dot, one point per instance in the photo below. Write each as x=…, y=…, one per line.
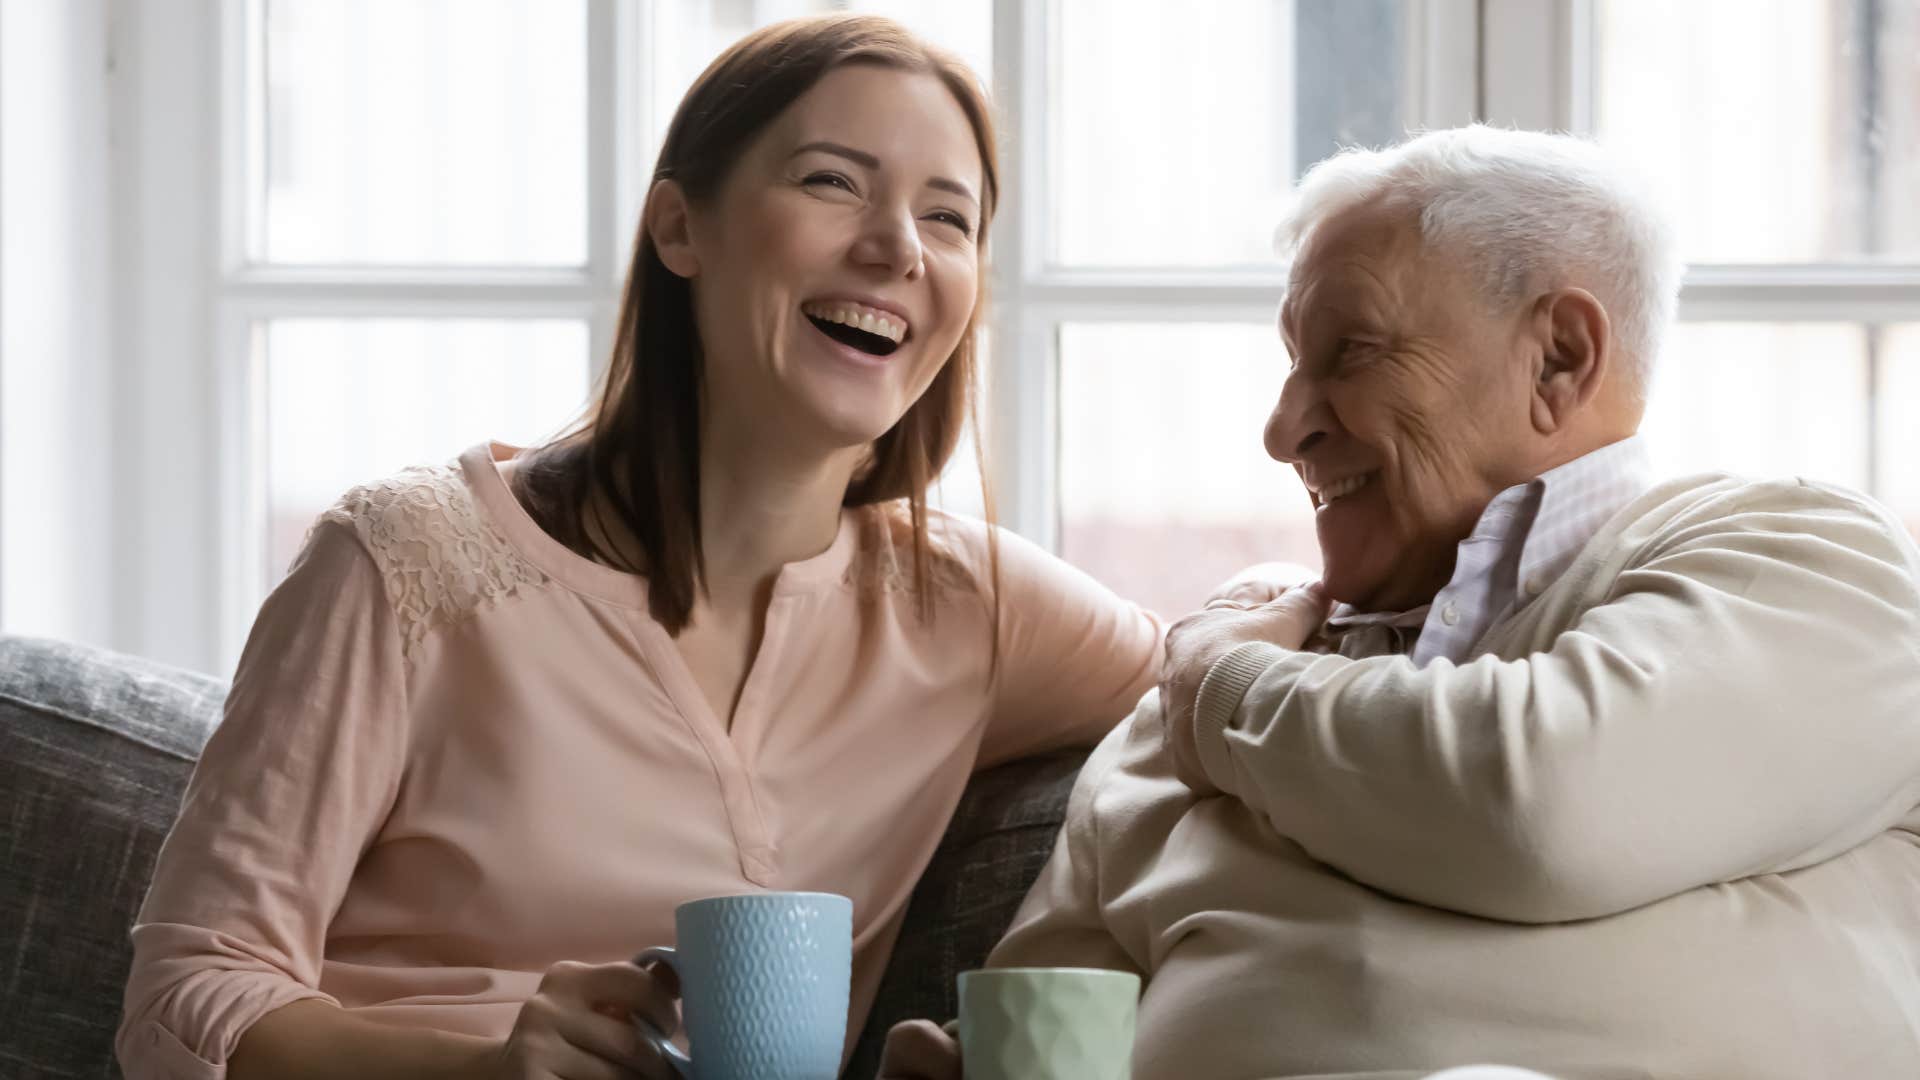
x=872, y=323
x=1340, y=489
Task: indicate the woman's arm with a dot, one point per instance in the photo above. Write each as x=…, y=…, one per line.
x=1074, y=658
x=577, y=1024
x=312, y=1040
x=287, y=795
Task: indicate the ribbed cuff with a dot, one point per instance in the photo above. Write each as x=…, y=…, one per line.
x=1225, y=686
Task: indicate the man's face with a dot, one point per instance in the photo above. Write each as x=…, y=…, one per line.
x=1406, y=410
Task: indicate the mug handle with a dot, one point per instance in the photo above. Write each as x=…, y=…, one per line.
x=676, y=1059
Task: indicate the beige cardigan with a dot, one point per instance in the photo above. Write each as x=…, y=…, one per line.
x=1663, y=824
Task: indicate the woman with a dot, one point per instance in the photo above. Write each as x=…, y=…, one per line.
x=503, y=716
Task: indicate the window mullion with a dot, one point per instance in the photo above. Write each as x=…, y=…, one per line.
x=1444, y=48
x=1020, y=416
x=1533, y=63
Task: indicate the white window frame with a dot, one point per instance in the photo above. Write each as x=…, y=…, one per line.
x=1033, y=299
x=189, y=485
x=192, y=558
x=1538, y=64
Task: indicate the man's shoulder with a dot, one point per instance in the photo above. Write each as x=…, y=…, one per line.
x=1691, y=507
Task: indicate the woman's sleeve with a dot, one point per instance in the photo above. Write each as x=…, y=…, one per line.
x=1074, y=658
x=285, y=799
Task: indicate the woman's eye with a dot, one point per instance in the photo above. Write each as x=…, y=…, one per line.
x=953, y=219
x=829, y=179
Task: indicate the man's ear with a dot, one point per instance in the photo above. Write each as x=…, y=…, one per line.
x=668, y=218
x=1576, y=351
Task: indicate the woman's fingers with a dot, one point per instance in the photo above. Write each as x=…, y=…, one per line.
x=1260, y=583
x=595, y=1006
x=623, y=985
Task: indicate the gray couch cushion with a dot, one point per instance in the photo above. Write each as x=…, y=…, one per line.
x=1001, y=834
x=95, y=750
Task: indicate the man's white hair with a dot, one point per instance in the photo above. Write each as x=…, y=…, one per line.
x=1524, y=212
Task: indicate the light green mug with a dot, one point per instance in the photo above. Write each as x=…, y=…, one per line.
x=1047, y=1023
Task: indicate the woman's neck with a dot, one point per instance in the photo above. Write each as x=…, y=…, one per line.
x=763, y=508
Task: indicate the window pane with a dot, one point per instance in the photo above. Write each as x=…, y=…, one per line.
x=1165, y=489
x=1898, y=398
x=426, y=132
x=353, y=400
x=1764, y=399
x=1178, y=129
x=688, y=34
x=1781, y=130
x=960, y=489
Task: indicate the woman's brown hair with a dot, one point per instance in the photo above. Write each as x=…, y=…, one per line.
x=639, y=445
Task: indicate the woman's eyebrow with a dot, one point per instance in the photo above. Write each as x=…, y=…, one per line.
x=868, y=161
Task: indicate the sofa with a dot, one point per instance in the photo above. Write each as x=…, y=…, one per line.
x=95, y=752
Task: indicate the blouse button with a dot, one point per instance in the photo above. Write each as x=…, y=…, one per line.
x=1450, y=614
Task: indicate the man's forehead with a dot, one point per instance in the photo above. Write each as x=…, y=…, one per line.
x=1354, y=253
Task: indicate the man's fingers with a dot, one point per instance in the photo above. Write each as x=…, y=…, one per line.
x=920, y=1050
x=1292, y=618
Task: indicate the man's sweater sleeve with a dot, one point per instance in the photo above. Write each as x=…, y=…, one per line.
x=1062, y=922
x=1745, y=700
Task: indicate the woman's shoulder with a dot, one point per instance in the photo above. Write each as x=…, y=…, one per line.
x=963, y=551
x=438, y=555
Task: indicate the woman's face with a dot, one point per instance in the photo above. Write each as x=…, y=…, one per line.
x=836, y=268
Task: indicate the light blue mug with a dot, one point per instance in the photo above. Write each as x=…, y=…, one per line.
x=763, y=986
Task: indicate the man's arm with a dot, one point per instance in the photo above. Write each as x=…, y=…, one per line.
x=1061, y=922
x=1746, y=701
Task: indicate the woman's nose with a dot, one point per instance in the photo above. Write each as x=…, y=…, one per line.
x=890, y=240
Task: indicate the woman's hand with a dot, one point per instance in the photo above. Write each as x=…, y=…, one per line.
x=920, y=1050
x=1259, y=584
x=579, y=1025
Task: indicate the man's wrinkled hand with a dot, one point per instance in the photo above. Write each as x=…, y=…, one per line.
x=1199, y=641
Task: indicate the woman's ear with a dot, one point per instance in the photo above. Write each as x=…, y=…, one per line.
x=669, y=223
x=1577, y=349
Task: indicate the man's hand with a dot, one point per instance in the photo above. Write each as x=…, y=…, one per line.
x=920, y=1050
x=1197, y=642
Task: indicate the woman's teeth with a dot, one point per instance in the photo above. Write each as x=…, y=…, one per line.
x=1340, y=489
x=860, y=319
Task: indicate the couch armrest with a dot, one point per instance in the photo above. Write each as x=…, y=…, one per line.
x=95, y=750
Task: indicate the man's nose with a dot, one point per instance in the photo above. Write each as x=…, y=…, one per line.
x=890, y=240
x=1301, y=420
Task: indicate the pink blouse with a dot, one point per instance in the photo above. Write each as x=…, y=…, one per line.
x=455, y=752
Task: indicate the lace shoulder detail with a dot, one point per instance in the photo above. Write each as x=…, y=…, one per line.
x=440, y=559
x=885, y=562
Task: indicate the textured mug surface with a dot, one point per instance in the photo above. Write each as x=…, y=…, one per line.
x=763, y=984
x=1047, y=1024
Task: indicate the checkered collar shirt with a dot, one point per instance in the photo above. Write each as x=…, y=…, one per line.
x=1527, y=536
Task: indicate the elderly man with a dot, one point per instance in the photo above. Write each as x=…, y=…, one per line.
x=1586, y=773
